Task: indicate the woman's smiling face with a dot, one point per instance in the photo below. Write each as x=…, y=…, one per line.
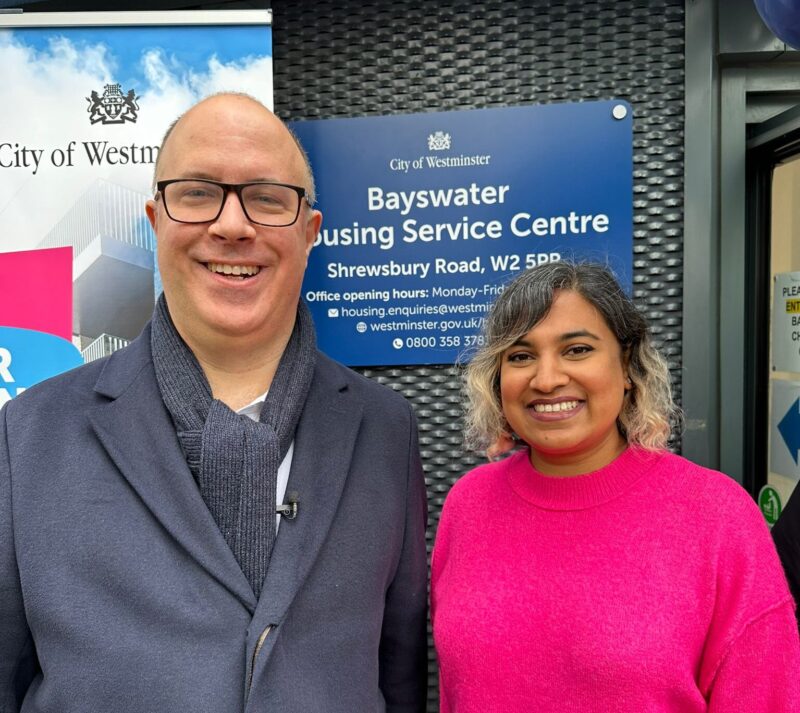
x=562, y=387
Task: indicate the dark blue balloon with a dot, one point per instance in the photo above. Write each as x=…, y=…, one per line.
x=783, y=18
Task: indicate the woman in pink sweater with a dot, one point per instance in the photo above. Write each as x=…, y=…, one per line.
x=592, y=570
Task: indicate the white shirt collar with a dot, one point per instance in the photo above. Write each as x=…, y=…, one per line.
x=253, y=409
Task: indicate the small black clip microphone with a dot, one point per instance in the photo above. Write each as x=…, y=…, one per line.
x=289, y=508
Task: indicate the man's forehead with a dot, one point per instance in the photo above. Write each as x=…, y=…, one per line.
x=232, y=114
x=227, y=123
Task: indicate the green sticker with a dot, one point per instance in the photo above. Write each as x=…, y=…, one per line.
x=770, y=503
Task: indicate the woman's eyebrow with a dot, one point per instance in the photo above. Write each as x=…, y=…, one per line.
x=579, y=333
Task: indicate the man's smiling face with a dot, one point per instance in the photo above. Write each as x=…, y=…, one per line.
x=231, y=277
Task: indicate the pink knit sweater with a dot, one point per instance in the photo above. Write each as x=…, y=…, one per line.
x=651, y=585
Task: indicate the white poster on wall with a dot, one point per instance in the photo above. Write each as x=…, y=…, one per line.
x=786, y=322
x=85, y=100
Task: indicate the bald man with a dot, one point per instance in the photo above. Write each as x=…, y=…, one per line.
x=218, y=517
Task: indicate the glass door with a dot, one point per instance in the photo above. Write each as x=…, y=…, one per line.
x=772, y=293
x=783, y=424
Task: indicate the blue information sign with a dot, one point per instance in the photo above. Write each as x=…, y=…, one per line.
x=427, y=216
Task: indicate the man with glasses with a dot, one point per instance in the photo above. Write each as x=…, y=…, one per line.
x=218, y=517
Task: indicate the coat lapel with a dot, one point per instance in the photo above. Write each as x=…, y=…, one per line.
x=324, y=443
x=139, y=436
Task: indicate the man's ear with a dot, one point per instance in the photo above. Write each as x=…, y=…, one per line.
x=312, y=229
x=150, y=209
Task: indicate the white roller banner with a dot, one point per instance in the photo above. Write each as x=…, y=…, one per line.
x=85, y=99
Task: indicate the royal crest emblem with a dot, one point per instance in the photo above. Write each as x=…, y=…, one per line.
x=113, y=107
x=438, y=141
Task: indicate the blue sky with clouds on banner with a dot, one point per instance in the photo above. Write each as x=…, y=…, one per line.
x=186, y=50
x=48, y=75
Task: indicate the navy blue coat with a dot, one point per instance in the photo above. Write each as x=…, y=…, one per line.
x=119, y=593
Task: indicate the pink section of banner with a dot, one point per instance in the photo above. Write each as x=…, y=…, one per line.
x=36, y=290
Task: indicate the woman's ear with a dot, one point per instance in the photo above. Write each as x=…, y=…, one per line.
x=626, y=363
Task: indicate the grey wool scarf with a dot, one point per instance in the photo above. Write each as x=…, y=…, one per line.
x=234, y=459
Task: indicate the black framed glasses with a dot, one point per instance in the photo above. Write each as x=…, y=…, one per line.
x=198, y=200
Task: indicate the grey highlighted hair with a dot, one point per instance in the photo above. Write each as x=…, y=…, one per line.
x=647, y=411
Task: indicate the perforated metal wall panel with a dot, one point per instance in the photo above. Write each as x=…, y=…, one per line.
x=357, y=58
